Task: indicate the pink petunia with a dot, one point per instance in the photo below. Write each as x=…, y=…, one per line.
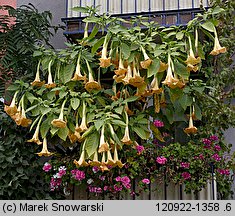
x=185, y=165
x=161, y=160
x=146, y=181
x=157, y=123
x=186, y=175
x=47, y=167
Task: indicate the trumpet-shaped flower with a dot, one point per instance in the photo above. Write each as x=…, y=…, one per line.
x=217, y=47
x=35, y=137
x=95, y=162
x=163, y=67
x=121, y=69
x=12, y=109
x=78, y=75
x=103, y=167
x=128, y=76
x=81, y=162
x=60, y=123
x=104, y=61
x=190, y=129
x=136, y=80
x=154, y=86
x=126, y=139
x=109, y=161
x=115, y=158
x=91, y=84
x=50, y=83
x=104, y=146
x=44, y=151
x=73, y=137
x=147, y=61
x=83, y=125
x=37, y=81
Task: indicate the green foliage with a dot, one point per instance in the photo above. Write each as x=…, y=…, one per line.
x=21, y=175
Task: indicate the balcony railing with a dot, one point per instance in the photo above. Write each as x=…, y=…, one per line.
x=165, y=12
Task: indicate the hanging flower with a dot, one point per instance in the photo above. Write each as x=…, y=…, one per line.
x=91, y=84
x=104, y=61
x=104, y=146
x=115, y=158
x=136, y=80
x=154, y=86
x=35, y=137
x=37, y=82
x=44, y=151
x=190, y=129
x=60, y=123
x=217, y=47
x=109, y=161
x=121, y=69
x=95, y=162
x=83, y=126
x=81, y=162
x=128, y=76
x=147, y=61
x=126, y=139
x=74, y=137
x=78, y=76
x=163, y=67
x=50, y=83
x=103, y=167
x=12, y=109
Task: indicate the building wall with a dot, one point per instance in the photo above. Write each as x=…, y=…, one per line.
x=58, y=10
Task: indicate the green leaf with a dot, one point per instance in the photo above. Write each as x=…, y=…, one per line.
x=198, y=112
x=98, y=124
x=37, y=53
x=118, y=122
x=97, y=45
x=141, y=132
x=185, y=100
x=181, y=70
x=75, y=102
x=66, y=73
x=130, y=99
x=30, y=97
x=180, y=35
x=63, y=133
x=91, y=143
x=119, y=110
x=95, y=30
x=152, y=70
x=217, y=10
x=80, y=9
x=209, y=26
x=45, y=110
x=156, y=132
x=44, y=127
x=125, y=50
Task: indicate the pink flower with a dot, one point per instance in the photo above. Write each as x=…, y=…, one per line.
x=186, y=175
x=158, y=123
x=62, y=171
x=102, y=178
x=161, y=160
x=201, y=156
x=78, y=174
x=117, y=187
x=217, y=147
x=139, y=149
x=118, y=179
x=216, y=157
x=185, y=165
x=95, y=169
x=223, y=171
x=214, y=138
x=106, y=188
x=55, y=183
x=95, y=189
x=146, y=181
x=47, y=167
x=206, y=141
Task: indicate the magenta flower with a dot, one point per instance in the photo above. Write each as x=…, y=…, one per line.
x=185, y=165
x=146, y=181
x=206, y=141
x=102, y=178
x=186, y=175
x=157, y=123
x=47, y=167
x=217, y=147
x=139, y=149
x=214, y=138
x=216, y=157
x=223, y=171
x=78, y=174
x=55, y=183
x=62, y=171
x=161, y=160
x=95, y=169
x=117, y=187
x=118, y=179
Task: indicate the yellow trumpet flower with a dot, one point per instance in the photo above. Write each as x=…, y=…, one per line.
x=115, y=158
x=104, y=61
x=154, y=86
x=103, y=167
x=121, y=69
x=104, y=146
x=91, y=84
x=136, y=80
x=81, y=162
x=190, y=129
x=50, y=83
x=12, y=109
x=217, y=47
x=109, y=160
x=44, y=151
x=95, y=161
x=83, y=126
x=192, y=60
x=60, y=123
x=35, y=137
x=78, y=75
x=126, y=139
x=37, y=81
x=163, y=67
x=147, y=61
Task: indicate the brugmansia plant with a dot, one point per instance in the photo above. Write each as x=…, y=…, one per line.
x=98, y=95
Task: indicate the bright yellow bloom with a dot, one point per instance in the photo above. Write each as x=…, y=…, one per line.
x=12, y=109
x=217, y=47
x=147, y=61
x=50, y=83
x=115, y=158
x=60, y=123
x=190, y=129
x=37, y=81
x=126, y=139
x=95, y=161
x=83, y=126
x=81, y=162
x=104, y=146
x=78, y=75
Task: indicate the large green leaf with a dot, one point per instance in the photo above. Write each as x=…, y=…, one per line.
x=143, y=134
x=75, y=102
x=181, y=70
x=185, y=100
x=92, y=143
x=63, y=133
x=97, y=45
x=209, y=26
x=126, y=51
x=66, y=73
x=152, y=70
